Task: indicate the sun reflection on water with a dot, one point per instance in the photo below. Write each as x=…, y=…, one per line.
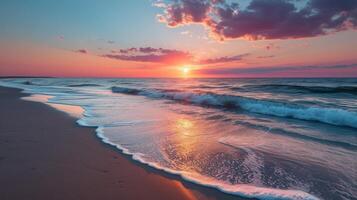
x=184, y=127
x=181, y=146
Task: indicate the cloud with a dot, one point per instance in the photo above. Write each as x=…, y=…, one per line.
x=148, y=50
x=167, y=56
x=225, y=59
x=264, y=19
x=263, y=70
x=150, y=54
x=110, y=42
x=84, y=51
x=185, y=11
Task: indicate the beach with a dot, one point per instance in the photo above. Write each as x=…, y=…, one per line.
x=44, y=154
x=76, y=138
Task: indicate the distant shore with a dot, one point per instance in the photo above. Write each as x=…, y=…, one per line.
x=44, y=154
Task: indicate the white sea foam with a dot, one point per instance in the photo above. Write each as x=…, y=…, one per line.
x=243, y=190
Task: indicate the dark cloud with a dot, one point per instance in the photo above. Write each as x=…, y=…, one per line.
x=148, y=50
x=224, y=59
x=186, y=11
x=263, y=70
x=84, y=51
x=264, y=19
x=110, y=42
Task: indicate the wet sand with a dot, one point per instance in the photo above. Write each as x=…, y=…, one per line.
x=44, y=154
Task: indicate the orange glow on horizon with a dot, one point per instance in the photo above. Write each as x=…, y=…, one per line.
x=27, y=58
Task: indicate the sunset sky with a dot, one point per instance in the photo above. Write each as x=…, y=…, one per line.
x=196, y=38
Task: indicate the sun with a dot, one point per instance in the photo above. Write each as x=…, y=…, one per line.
x=185, y=70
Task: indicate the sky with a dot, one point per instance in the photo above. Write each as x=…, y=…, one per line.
x=178, y=38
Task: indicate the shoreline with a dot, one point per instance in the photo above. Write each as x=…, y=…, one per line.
x=62, y=160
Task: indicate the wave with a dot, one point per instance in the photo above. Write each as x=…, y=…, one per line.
x=125, y=90
x=84, y=85
x=30, y=83
x=280, y=131
x=333, y=116
x=299, y=88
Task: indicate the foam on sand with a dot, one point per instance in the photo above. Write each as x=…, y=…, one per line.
x=243, y=190
x=74, y=111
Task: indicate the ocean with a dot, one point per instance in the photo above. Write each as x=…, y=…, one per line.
x=261, y=138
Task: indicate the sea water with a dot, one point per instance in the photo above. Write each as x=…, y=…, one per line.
x=262, y=138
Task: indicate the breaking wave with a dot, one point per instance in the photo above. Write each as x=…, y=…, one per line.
x=84, y=85
x=326, y=115
x=300, y=88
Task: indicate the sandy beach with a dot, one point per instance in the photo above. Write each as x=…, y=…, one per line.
x=44, y=154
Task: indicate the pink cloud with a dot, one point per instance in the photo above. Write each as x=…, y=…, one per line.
x=167, y=56
x=224, y=59
x=150, y=54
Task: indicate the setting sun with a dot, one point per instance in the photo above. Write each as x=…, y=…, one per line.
x=186, y=70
